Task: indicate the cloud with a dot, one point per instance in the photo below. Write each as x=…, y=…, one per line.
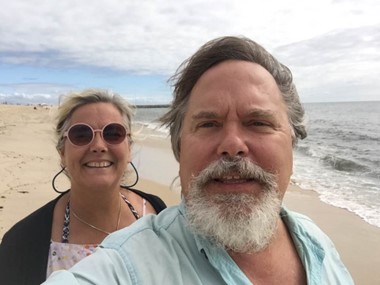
x=337, y=63
x=32, y=93
x=153, y=37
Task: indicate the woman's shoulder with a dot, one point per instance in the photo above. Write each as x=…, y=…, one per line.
x=35, y=223
x=154, y=200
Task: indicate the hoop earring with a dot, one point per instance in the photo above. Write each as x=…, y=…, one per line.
x=173, y=186
x=53, y=182
x=137, y=177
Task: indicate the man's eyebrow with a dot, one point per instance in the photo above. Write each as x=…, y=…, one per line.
x=261, y=113
x=204, y=115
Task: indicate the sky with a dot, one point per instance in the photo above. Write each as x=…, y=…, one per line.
x=132, y=47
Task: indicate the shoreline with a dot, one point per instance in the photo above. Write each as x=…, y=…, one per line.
x=30, y=161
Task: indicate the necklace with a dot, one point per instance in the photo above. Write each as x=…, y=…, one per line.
x=66, y=219
x=96, y=228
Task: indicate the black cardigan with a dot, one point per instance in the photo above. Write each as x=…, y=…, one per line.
x=25, y=247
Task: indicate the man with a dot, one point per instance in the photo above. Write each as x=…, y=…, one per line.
x=235, y=117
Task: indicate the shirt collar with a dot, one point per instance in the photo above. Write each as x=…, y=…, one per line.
x=308, y=247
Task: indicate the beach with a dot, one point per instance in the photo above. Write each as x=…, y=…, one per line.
x=29, y=161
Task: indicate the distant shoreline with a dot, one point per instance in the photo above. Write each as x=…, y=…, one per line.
x=52, y=105
x=152, y=106
x=168, y=104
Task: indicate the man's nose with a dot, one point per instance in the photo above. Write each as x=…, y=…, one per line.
x=233, y=142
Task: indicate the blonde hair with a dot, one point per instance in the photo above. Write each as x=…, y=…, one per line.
x=72, y=101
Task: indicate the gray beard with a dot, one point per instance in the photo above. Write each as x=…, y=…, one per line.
x=237, y=222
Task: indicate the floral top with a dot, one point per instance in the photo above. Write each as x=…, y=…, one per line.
x=63, y=255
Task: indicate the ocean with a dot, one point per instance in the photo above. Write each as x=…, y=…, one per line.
x=339, y=159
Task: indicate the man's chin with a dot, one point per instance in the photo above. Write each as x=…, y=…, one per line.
x=237, y=222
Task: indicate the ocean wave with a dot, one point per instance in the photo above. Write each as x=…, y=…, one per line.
x=303, y=149
x=306, y=150
x=343, y=164
x=366, y=137
x=365, y=211
x=345, y=134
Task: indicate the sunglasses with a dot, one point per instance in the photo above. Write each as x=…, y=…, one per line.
x=82, y=134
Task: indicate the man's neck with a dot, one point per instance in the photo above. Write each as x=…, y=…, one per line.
x=279, y=263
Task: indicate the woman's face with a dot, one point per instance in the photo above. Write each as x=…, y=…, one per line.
x=97, y=165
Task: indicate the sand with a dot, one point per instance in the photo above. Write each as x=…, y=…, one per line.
x=29, y=161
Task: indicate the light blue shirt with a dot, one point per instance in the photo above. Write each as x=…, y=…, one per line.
x=162, y=250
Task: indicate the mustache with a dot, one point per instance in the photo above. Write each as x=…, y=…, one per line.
x=241, y=166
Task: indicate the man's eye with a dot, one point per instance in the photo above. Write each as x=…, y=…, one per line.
x=259, y=123
x=207, y=125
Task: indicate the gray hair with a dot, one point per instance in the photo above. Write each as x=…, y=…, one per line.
x=217, y=51
x=74, y=100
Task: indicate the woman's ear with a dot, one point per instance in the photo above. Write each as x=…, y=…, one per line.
x=129, y=146
x=129, y=158
x=62, y=156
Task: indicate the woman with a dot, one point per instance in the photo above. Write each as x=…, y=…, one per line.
x=94, y=142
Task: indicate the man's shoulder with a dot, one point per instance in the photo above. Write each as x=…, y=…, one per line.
x=302, y=225
x=317, y=248
x=154, y=250
x=151, y=227
x=306, y=231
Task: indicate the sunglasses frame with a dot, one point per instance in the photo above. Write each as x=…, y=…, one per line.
x=94, y=131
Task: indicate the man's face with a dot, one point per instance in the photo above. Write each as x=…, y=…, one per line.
x=236, y=109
